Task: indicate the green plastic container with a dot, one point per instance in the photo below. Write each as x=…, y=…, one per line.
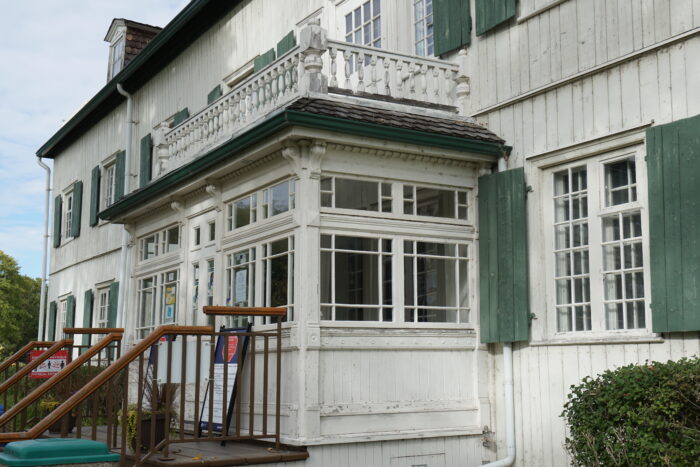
x=56, y=451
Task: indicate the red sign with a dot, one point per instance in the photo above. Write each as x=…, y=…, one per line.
x=50, y=366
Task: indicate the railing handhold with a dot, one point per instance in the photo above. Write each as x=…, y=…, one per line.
x=244, y=311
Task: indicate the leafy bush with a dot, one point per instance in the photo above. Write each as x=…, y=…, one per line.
x=644, y=415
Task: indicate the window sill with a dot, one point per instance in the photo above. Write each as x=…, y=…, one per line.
x=539, y=11
x=392, y=325
x=601, y=338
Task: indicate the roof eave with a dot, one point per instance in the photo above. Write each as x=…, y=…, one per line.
x=289, y=118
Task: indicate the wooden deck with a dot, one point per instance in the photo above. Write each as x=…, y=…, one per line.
x=234, y=453
x=213, y=452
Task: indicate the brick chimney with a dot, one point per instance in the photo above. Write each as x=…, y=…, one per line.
x=126, y=39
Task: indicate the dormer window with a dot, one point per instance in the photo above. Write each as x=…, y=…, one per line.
x=116, y=57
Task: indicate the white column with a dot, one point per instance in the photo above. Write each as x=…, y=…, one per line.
x=305, y=160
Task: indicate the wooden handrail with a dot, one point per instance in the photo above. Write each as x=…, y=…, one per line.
x=20, y=353
x=93, y=331
x=58, y=345
x=94, y=384
x=57, y=378
x=244, y=311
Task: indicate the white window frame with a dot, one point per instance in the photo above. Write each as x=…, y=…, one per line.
x=382, y=196
x=259, y=201
x=68, y=215
x=357, y=33
x=420, y=23
x=63, y=311
x=596, y=211
x=109, y=182
x=462, y=202
x=120, y=41
x=161, y=280
x=102, y=307
x=160, y=239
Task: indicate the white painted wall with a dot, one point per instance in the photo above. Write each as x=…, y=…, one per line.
x=580, y=79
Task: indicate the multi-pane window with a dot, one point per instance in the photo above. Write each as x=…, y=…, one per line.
x=63, y=304
x=108, y=184
x=242, y=212
x=264, y=204
x=195, y=289
x=435, y=202
x=278, y=275
x=363, y=25
x=210, y=282
x=598, y=247
x=623, y=257
x=356, y=278
x=117, y=57
x=350, y=193
x=436, y=282
x=240, y=283
x=160, y=243
x=278, y=199
x=157, y=301
x=423, y=26
x=572, y=275
x=102, y=308
x=68, y=215
x=240, y=278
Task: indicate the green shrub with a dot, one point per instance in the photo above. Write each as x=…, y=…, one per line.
x=644, y=415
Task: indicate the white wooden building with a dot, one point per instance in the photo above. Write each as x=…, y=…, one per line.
x=326, y=156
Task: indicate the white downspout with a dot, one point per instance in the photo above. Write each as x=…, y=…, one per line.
x=123, y=258
x=44, y=258
x=507, y=388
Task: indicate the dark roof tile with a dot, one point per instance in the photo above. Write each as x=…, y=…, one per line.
x=396, y=119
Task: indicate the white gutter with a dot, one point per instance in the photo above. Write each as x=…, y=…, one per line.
x=44, y=258
x=507, y=388
x=121, y=319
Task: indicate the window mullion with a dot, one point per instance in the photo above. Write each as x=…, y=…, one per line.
x=595, y=250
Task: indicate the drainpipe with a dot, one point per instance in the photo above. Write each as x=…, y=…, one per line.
x=123, y=258
x=44, y=258
x=507, y=387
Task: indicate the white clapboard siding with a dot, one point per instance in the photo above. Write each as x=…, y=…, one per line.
x=661, y=86
x=571, y=37
x=543, y=376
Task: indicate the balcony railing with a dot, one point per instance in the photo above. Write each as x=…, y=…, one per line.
x=316, y=67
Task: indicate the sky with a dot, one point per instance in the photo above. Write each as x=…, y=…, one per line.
x=53, y=59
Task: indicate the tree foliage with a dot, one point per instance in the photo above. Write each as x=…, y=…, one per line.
x=637, y=415
x=19, y=306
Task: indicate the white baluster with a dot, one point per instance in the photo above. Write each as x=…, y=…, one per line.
x=373, y=74
x=361, y=72
x=399, y=79
x=423, y=70
x=347, y=56
x=334, y=67
x=411, y=80
x=387, y=87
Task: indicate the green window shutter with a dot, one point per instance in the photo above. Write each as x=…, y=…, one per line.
x=57, y=215
x=70, y=312
x=77, y=208
x=119, y=171
x=287, y=43
x=503, y=270
x=87, y=314
x=181, y=116
x=452, y=25
x=51, y=328
x=673, y=167
x=95, y=195
x=491, y=13
x=113, y=300
x=146, y=160
x=214, y=94
x=261, y=61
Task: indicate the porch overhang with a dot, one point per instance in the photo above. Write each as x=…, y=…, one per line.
x=490, y=148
